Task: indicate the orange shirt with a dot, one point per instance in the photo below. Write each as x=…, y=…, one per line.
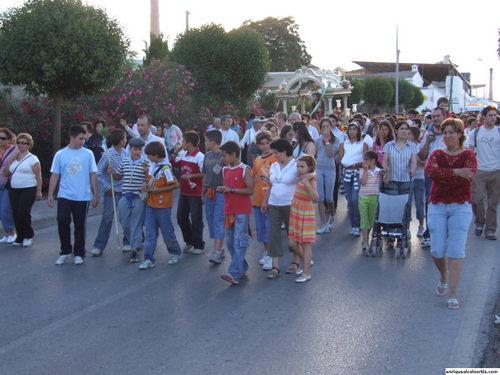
x=164, y=178
x=261, y=167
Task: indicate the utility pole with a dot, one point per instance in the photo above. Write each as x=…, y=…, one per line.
x=187, y=20
x=155, y=18
x=397, y=73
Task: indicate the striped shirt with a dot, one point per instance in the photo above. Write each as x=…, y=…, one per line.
x=133, y=174
x=103, y=177
x=372, y=182
x=400, y=159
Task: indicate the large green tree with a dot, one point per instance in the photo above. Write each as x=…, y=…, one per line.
x=406, y=93
x=157, y=49
x=357, y=92
x=229, y=67
x=378, y=91
x=62, y=48
x=418, y=98
x=287, y=51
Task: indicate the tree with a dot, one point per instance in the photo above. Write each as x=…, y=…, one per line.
x=357, y=93
x=418, y=98
x=405, y=93
x=227, y=66
x=287, y=52
x=156, y=50
x=61, y=48
x=378, y=91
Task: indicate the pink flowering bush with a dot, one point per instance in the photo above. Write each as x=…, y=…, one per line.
x=160, y=89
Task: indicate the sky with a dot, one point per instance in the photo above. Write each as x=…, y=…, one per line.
x=337, y=33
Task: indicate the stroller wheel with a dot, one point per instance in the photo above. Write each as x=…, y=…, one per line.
x=405, y=252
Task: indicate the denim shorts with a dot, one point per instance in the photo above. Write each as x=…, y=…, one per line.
x=449, y=222
x=262, y=225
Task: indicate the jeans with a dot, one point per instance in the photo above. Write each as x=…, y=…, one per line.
x=78, y=209
x=22, y=200
x=6, y=210
x=325, y=179
x=427, y=185
x=192, y=231
x=107, y=222
x=160, y=218
x=449, y=222
x=214, y=211
x=418, y=193
x=132, y=220
x=262, y=225
x=352, y=204
x=237, y=244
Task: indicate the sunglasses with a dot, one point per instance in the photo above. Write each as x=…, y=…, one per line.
x=3, y=138
x=21, y=143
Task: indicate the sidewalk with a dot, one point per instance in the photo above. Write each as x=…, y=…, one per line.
x=43, y=216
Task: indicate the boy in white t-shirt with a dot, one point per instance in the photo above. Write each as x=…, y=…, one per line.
x=76, y=168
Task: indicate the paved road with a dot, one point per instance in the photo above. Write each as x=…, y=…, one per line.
x=357, y=315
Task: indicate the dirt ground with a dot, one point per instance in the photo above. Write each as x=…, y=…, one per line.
x=491, y=358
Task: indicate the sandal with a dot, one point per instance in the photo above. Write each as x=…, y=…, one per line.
x=275, y=272
x=441, y=288
x=453, y=303
x=293, y=268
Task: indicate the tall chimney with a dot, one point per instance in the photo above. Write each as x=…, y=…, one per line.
x=155, y=18
x=490, y=96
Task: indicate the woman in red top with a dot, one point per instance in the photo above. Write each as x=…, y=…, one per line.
x=451, y=170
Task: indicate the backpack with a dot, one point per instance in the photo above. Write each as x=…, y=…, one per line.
x=477, y=131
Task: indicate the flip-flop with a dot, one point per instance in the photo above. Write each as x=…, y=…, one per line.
x=441, y=288
x=275, y=272
x=453, y=303
x=293, y=268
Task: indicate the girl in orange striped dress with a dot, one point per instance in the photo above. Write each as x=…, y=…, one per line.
x=302, y=229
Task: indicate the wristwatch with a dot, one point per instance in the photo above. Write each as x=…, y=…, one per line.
x=232, y=190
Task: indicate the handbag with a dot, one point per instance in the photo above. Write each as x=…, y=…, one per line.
x=143, y=195
x=7, y=184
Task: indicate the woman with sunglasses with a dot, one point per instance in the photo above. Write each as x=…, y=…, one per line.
x=6, y=151
x=24, y=170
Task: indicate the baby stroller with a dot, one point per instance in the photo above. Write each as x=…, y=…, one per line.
x=391, y=218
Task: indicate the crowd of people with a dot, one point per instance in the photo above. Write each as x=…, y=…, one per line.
x=277, y=168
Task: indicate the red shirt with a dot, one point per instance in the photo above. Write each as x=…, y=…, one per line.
x=447, y=188
x=234, y=177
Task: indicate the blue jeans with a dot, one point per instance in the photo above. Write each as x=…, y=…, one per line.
x=449, y=222
x=107, y=222
x=237, y=244
x=262, y=225
x=352, y=204
x=160, y=218
x=418, y=193
x=214, y=211
x=132, y=220
x=6, y=210
x=326, y=181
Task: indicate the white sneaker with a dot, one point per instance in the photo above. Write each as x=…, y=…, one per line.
x=352, y=231
x=147, y=264
x=356, y=232
x=186, y=248
x=330, y=222
x=78, y=260
x=63, y=258
x=195, y=251
x=27, y=242
x=173, y=260
x=17, y=244
x=96, y=252
x=421, y=230
x=324, y=229
x=3, y=239
x=268, y=264
x=11, y=239
x=127, y=248
x=261, y=262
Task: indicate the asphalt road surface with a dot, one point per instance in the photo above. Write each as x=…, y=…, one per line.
x=357, y=315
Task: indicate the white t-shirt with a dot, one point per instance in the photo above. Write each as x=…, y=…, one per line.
x=368, y=140
x=229, y=135
x=313, y=131
x=487, y=148
x=23, y=176
x=74, y=165
x=283, y=183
